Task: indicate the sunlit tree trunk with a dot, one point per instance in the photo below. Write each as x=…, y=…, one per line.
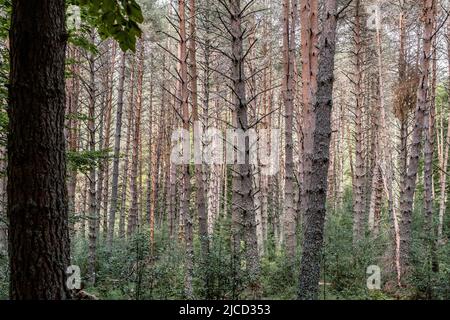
x=316, y=183
x=116, y=156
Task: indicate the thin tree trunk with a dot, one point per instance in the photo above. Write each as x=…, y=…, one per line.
x=106, y=146
x=429, y=132
x=186, y=174
x=116, y=159
x=133, y=213
x=73, y=105
x=92, y=199
x=130, y=123
x=444, y=162
x=358, y=182
x=200, y=190
x=288, y=98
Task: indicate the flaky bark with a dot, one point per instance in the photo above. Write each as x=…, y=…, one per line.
x=316, y=183
x=409, y=187
x=309, y=55
x=242, y=196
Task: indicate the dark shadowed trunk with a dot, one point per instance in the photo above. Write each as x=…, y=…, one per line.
x=37, y=195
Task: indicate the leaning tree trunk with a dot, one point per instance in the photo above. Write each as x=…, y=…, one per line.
x=316, y=184
x=37, y=195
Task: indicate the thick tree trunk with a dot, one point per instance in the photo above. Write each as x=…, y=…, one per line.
x=37, y=194
x=409, y=187
x=309, y=55
x=316, y=183
x=243, y=206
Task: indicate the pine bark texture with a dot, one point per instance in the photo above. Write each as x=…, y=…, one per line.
x=37, y=195
x=409, y=183
x=316, y=184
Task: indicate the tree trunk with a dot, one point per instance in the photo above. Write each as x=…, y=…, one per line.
x=107, y=136
x=130, y=125
x=243, y=206
x=186, y=174
x=429, y=132
x=73, y=95
x=316, y=183
x=409, y=184
x=444, y=162
x=288, y=99
x=133, y=213
x=116, y=157
x=92, y=199
x=358, y=182
x=37, y=194
x=309, y=44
